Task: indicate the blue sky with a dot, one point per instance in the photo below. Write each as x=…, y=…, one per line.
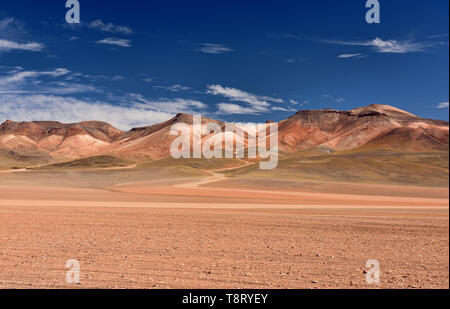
x=141, y=62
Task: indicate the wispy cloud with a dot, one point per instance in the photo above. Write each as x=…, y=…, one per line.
x=344, y=56
x=174, y=88
x=387, y=46
x=80, y=76
x=11, y=27
x=283, y=109
x=177, y=105
x=257, y=103
x=443, y=105
x=69, y=109
x=116, y=42
x=379, y=45
x=211, y=48
x=229, y=108
x=50, y=95
x=4, y=23
x=295, y=102
x=19, y=81
x=295, y=60
x=333, y=98
x=18, y=76
x=125, y=111
x=109, y=27
x=6, y=45
x=436, y=36
x=10, y=32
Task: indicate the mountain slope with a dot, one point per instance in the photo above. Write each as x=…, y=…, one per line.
x=373, y=127
x=57, y=139
x=343, y=130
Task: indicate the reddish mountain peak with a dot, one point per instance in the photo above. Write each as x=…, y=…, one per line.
x=383, y=109
x=373, y=108
x=182, y=117
x=7, y=122
x=23, y=128
x=178, y=118
x=189, y=119
x=331, y=118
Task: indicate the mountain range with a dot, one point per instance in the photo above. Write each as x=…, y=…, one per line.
x=373, y=127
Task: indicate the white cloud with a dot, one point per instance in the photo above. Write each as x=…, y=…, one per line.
x=69, y=109
x=12, y=29
x=174, y=88
x=19, y=76
x=257, y=103
x=77, y=75
x=387, y=46
x=109, y=27
x=228, y=108
x=393, y=46
x=66, y=88
x=18, y=81
x=116, y=42
x=45, y=95
x=283, y=109
x=349, y=55
x=178, y=105
x=271, y=99
x=6, y=45
x=210, y=48
x=443, y=105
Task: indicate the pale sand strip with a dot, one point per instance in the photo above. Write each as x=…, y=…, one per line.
x=48, y=203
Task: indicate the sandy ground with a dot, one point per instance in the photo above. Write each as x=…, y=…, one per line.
x=212, y=233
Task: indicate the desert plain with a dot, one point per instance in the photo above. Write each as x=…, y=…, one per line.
x=170, y=230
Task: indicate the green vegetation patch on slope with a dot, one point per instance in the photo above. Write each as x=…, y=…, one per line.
x=96, y=162
x=428, y=169
x=10, y=159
